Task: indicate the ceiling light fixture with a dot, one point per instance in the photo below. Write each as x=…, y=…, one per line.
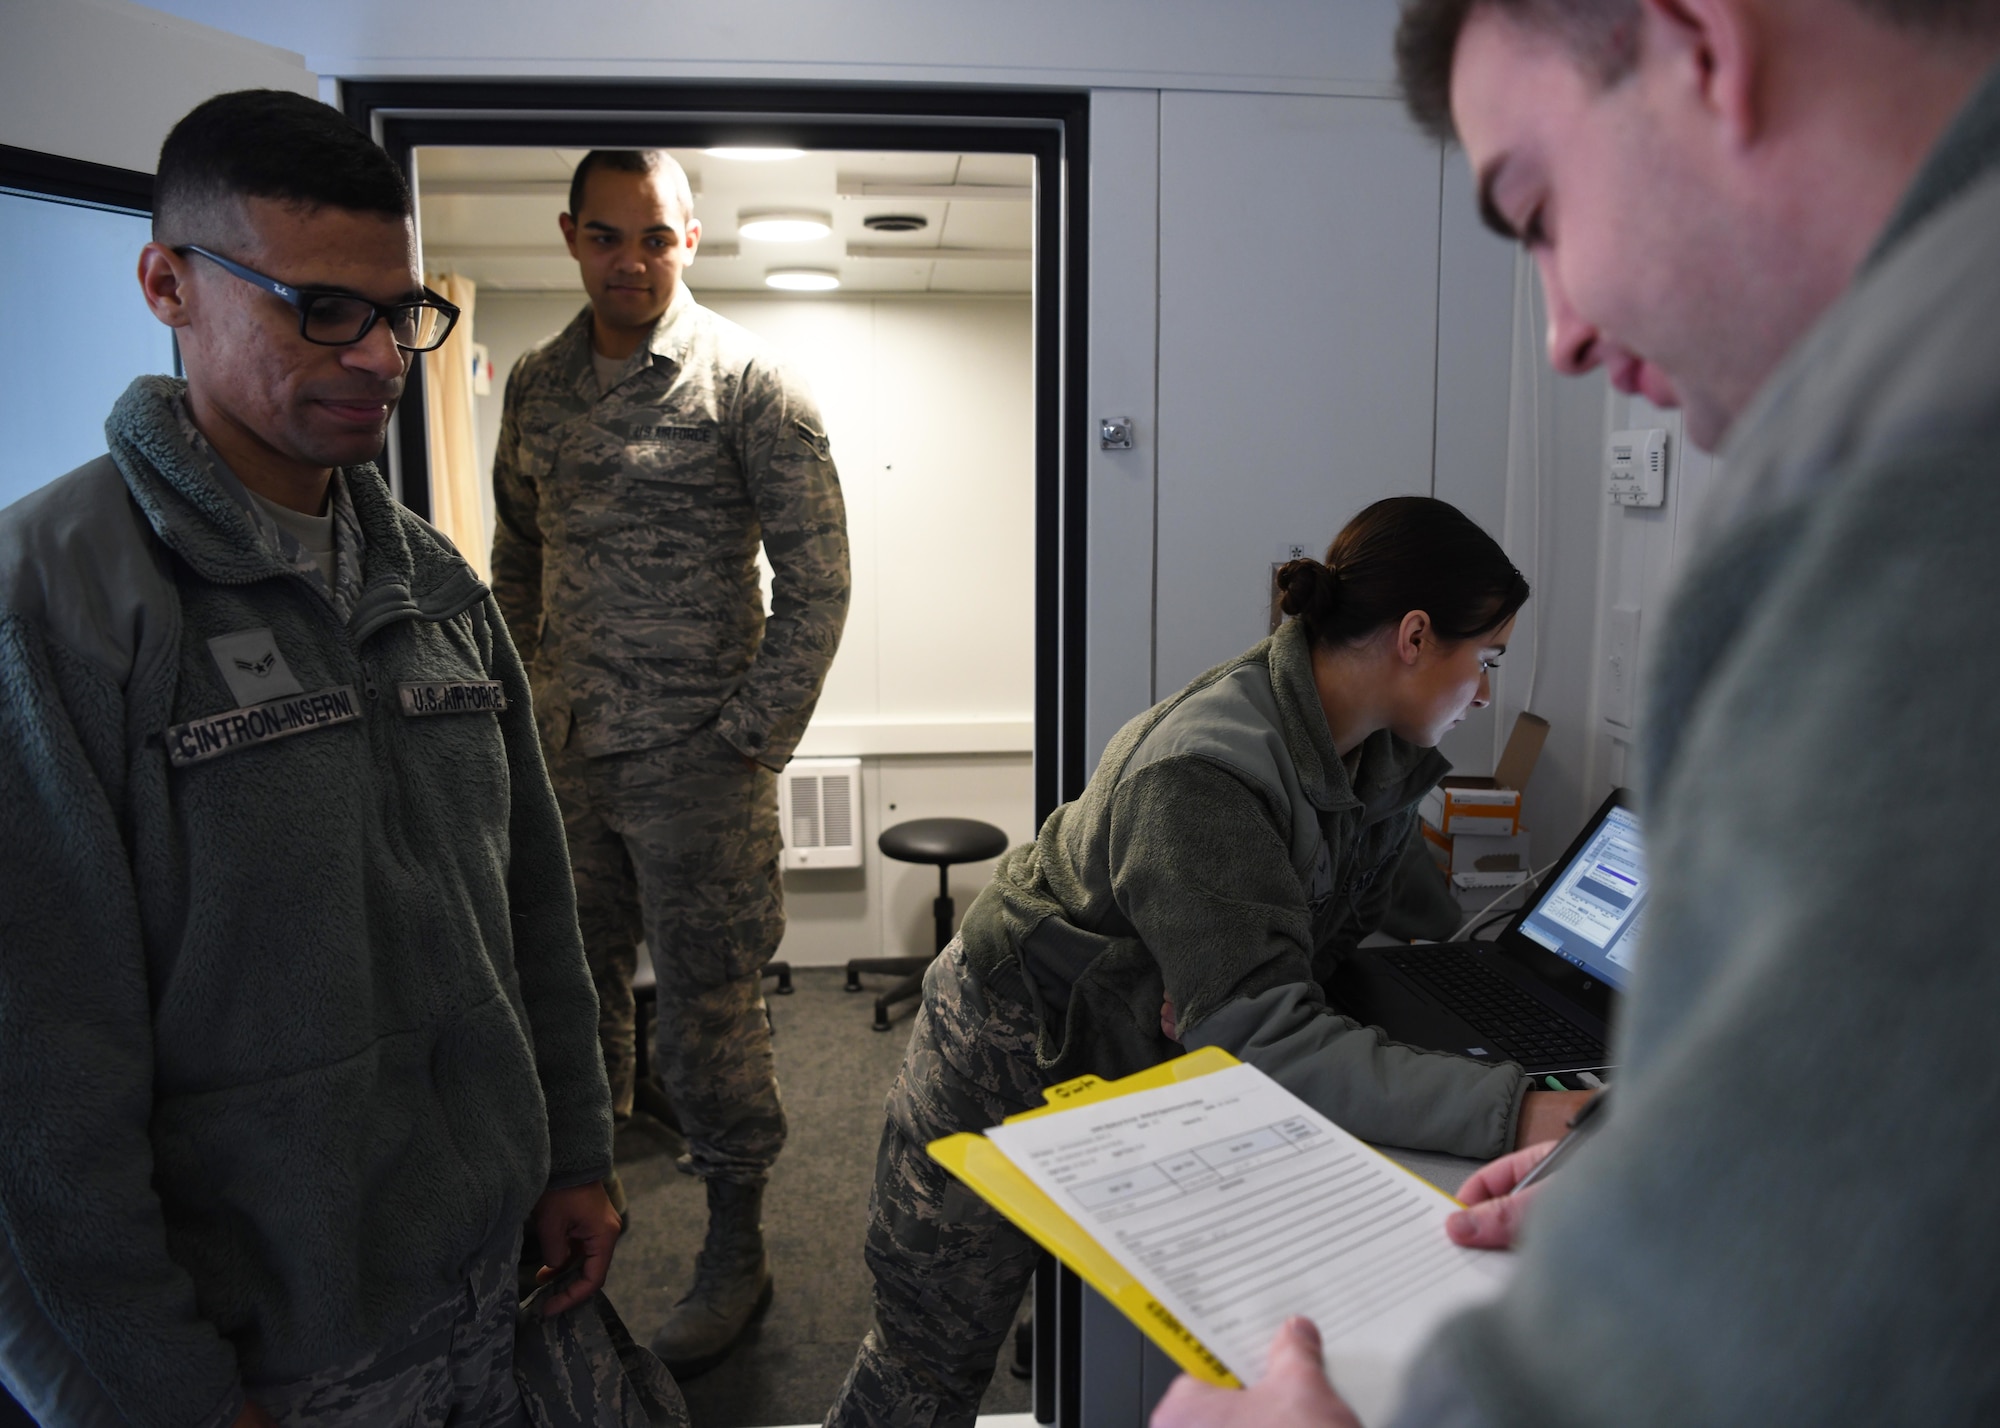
x=783, y=225
x=802, y=280
x=752, y=155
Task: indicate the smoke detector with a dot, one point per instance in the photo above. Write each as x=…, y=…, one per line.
x=895, y=222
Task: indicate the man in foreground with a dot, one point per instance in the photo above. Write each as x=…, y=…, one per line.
x=1782, y=215
x=295, y=1027
x=645, y=453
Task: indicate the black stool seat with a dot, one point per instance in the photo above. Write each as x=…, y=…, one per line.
x=941, y=842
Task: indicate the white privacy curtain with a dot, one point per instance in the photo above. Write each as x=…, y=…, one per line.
x=456, y=508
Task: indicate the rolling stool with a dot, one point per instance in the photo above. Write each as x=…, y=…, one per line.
x=945, y=842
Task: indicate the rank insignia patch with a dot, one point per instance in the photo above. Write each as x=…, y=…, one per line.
x=252, y=667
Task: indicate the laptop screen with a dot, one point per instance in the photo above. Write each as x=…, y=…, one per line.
x=1591, y=914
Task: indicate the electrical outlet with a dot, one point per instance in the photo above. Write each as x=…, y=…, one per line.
x=1621, y=664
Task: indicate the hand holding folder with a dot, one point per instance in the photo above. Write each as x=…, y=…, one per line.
x=1210, y=1204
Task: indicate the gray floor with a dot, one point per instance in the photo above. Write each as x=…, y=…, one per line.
x=834, y=1072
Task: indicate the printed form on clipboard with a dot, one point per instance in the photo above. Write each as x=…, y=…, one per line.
x=1210, y=1204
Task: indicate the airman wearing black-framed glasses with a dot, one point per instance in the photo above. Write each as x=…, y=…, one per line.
x=271, y=755
x=292, y=377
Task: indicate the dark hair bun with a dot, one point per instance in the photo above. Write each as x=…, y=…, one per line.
x=1309, y=589
x=1401, y=554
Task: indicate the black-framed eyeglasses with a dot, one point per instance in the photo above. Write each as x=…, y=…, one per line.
x=337, y=319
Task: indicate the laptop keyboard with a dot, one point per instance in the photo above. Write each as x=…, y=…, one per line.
x=1518, y=1025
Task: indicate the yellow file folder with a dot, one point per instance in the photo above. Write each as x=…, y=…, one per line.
x=981, y=1165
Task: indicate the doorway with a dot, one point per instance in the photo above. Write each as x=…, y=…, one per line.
x=948, y=364
x=1047, y=129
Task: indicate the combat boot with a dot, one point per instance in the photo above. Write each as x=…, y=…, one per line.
x=732, y=1284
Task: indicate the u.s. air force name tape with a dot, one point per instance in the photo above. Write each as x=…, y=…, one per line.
x=452, y=696
x=224, y=733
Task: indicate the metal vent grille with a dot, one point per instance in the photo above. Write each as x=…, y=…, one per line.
x=819, y=810
x=805, y=812
x=838, y=822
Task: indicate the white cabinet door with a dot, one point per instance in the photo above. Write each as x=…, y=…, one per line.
x=1298, y=344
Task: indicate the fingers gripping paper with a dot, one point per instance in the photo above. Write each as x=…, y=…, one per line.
x=1210, y=1204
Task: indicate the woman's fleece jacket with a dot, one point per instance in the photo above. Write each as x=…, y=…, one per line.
x=295, y=1034
x=1223, y=856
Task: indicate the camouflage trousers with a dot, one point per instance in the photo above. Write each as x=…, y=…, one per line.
x=454, y=1365
x=949, y=1270
x=680, y=845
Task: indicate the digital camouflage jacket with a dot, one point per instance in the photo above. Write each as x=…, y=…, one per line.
x=625, y=551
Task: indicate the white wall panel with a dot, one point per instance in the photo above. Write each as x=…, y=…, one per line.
x=103, y=80
x=1307, y=46
x=954, y=383
x=1298, y=323
x=1124, y=376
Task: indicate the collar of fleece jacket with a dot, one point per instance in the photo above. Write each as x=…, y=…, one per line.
x=1393, y=774
x=1969, y=149
x=406, y=562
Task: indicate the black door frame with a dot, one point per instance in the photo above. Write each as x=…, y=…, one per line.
x=1051, y=125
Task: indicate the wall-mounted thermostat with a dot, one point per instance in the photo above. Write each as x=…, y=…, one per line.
x=1639, y=467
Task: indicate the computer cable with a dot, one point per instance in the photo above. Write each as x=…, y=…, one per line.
x=1479, y=918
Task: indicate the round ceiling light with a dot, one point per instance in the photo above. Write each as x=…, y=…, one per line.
x=751, y=155
x=895, y=222
x=783, y=225
x=802, y=280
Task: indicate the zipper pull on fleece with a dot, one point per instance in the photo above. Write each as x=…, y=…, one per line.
x=368, y=680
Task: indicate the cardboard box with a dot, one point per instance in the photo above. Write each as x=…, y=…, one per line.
x=1484, y=861
x=1490, y=807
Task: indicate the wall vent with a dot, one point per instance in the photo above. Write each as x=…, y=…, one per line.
x=819, y=809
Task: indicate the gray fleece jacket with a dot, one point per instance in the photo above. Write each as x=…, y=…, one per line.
x=1221, y=855
x=1789, y=1218
x=294, y=1020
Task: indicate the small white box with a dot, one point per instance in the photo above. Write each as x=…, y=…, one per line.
x=1488, y=806
x=1489, y=862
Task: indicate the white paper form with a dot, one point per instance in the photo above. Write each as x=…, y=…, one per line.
x=1238, y=1205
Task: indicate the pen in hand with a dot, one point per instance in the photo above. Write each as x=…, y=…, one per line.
x=1579, y=1124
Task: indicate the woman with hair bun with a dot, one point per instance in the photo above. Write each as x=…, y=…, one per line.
x=1236, y=841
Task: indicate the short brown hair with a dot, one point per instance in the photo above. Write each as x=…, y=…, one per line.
x=633, y=161
x=1604, y=36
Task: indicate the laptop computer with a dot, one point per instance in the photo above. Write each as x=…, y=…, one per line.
x=1541, y=993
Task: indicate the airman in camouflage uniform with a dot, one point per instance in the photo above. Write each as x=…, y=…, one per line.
x=632, y=497
x=949, y=1268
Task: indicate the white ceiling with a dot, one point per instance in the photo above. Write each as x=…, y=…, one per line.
x=491, y=215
